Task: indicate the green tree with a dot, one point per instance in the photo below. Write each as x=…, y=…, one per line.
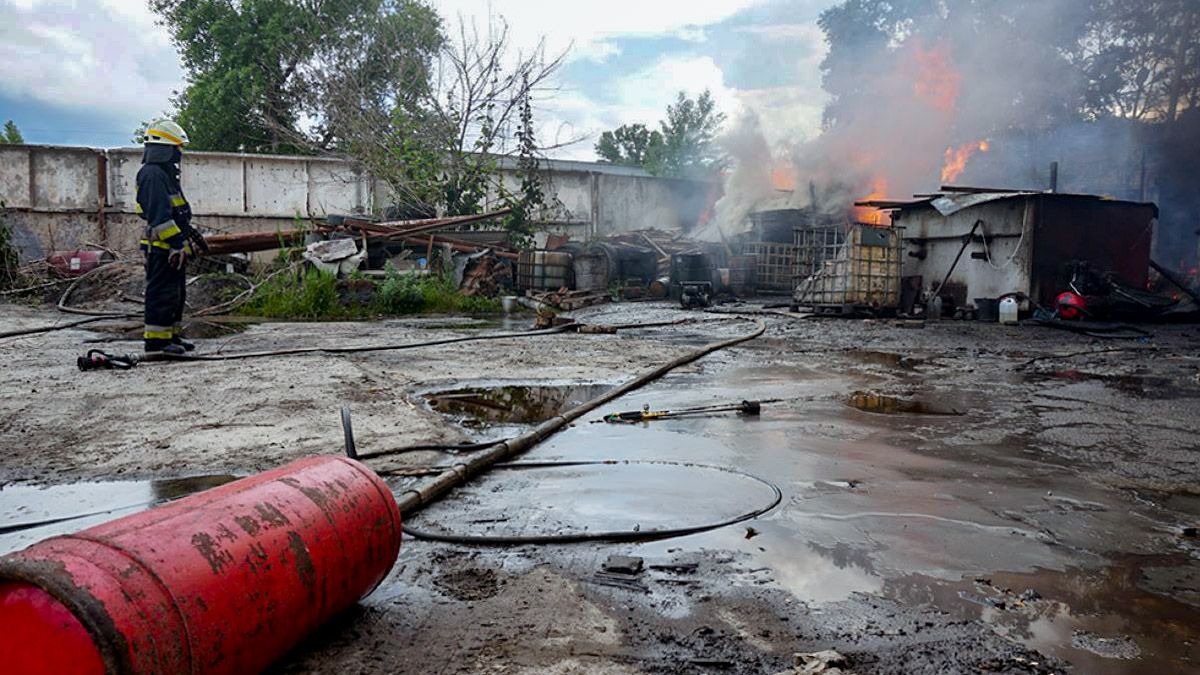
x=530, y=198
x=11, y=134
x=627, y=145
x=684, y=144
x=272, y=75
x=689, y=135
x=1142, y=59
x=444, y=149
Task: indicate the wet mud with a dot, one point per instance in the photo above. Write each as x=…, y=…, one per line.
x=1028, y=517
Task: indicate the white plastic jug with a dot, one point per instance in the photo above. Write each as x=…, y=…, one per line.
x=1009, y=310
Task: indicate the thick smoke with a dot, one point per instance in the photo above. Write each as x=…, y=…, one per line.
x=971, y=98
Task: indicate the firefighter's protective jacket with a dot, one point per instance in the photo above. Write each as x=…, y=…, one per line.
x=160, y=202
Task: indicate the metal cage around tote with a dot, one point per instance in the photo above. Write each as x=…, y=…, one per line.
x=775, y=269
x=855, y=267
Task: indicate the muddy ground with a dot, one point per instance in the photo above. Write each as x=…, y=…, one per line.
x=956, y=497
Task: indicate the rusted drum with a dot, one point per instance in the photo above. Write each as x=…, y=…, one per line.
x=224, y=581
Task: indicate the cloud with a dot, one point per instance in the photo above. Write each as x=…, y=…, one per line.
x=644, y=95
x=98, y=55
x=629, y=58
x=583, y=23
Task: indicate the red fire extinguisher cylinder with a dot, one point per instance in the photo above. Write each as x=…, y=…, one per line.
x=224, y=581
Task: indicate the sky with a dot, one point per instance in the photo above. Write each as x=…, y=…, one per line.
x=88, y=72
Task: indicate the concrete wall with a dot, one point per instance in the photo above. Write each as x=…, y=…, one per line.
x=52, y=195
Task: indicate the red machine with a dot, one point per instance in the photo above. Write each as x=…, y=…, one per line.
x=1071, y=306
x=224, y=581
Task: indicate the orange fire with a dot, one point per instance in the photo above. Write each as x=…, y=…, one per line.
x=935, y=80
x=870, y=215
x=956, y=159
x=783, y=177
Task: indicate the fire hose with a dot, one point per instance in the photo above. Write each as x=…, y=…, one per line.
x=495, y=454
x=412, y=500
x=630, y=535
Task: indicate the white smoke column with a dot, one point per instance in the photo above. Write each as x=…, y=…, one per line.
x=961, y=75
x=748, y=186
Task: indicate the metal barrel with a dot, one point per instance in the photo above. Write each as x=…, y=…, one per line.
x=223, y=581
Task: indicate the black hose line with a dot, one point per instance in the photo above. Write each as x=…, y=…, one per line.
x=355, y=350
x=603, y=536
x=414, y=499
x=160, y=358
x=1095, y=329
x=54, y=327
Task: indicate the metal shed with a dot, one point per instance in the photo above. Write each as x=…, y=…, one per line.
x=1024, y=242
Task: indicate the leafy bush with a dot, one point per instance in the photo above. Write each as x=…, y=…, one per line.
x=10, y=258
x=310, y=295
x=413, y=294
x=315, y=295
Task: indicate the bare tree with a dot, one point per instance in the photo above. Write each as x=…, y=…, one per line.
x=438, y=132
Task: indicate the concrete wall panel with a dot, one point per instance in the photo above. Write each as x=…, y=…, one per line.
x=64, y=178
x=213, y=185
x=336, y=187
x=276, y=187
x=240, y=193
x=14, y=176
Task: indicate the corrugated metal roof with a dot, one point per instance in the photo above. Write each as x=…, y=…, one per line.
x=953, y=202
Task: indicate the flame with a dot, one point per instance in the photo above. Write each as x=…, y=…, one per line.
x=783, y=177
x=956, y=159
x=935, y=80
x=870, y=215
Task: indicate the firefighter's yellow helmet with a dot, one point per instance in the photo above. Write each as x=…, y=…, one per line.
x=165, y=132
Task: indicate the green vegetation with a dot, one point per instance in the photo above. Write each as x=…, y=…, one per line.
x=427, y=110
x=684, y=145
x=11, y=134
x=10, y=259
x=313, y=294
x=290, y=77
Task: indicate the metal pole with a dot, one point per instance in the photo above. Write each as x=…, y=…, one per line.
x=1053, y=176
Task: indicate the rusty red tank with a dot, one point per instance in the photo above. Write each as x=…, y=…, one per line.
x=224, y=581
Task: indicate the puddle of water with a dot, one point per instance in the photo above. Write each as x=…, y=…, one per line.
x=483, y=407
x=596, y=498
x=882, y=404
x=1101, y=621
x=30, y=513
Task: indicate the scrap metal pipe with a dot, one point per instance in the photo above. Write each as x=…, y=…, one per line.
x=223, y=581
x=413, y=500
x=1174, y=281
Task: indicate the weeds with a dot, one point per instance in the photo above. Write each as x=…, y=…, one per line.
x=310, y=295
x=10, y=258
x=318, y=295
x=415, y=294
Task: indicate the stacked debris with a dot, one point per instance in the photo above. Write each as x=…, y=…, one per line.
x=412, y=232
x=663, y=244
x=568, y=300
x=485, y=274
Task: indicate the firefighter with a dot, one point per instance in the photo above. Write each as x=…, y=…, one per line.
x=168, y=238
